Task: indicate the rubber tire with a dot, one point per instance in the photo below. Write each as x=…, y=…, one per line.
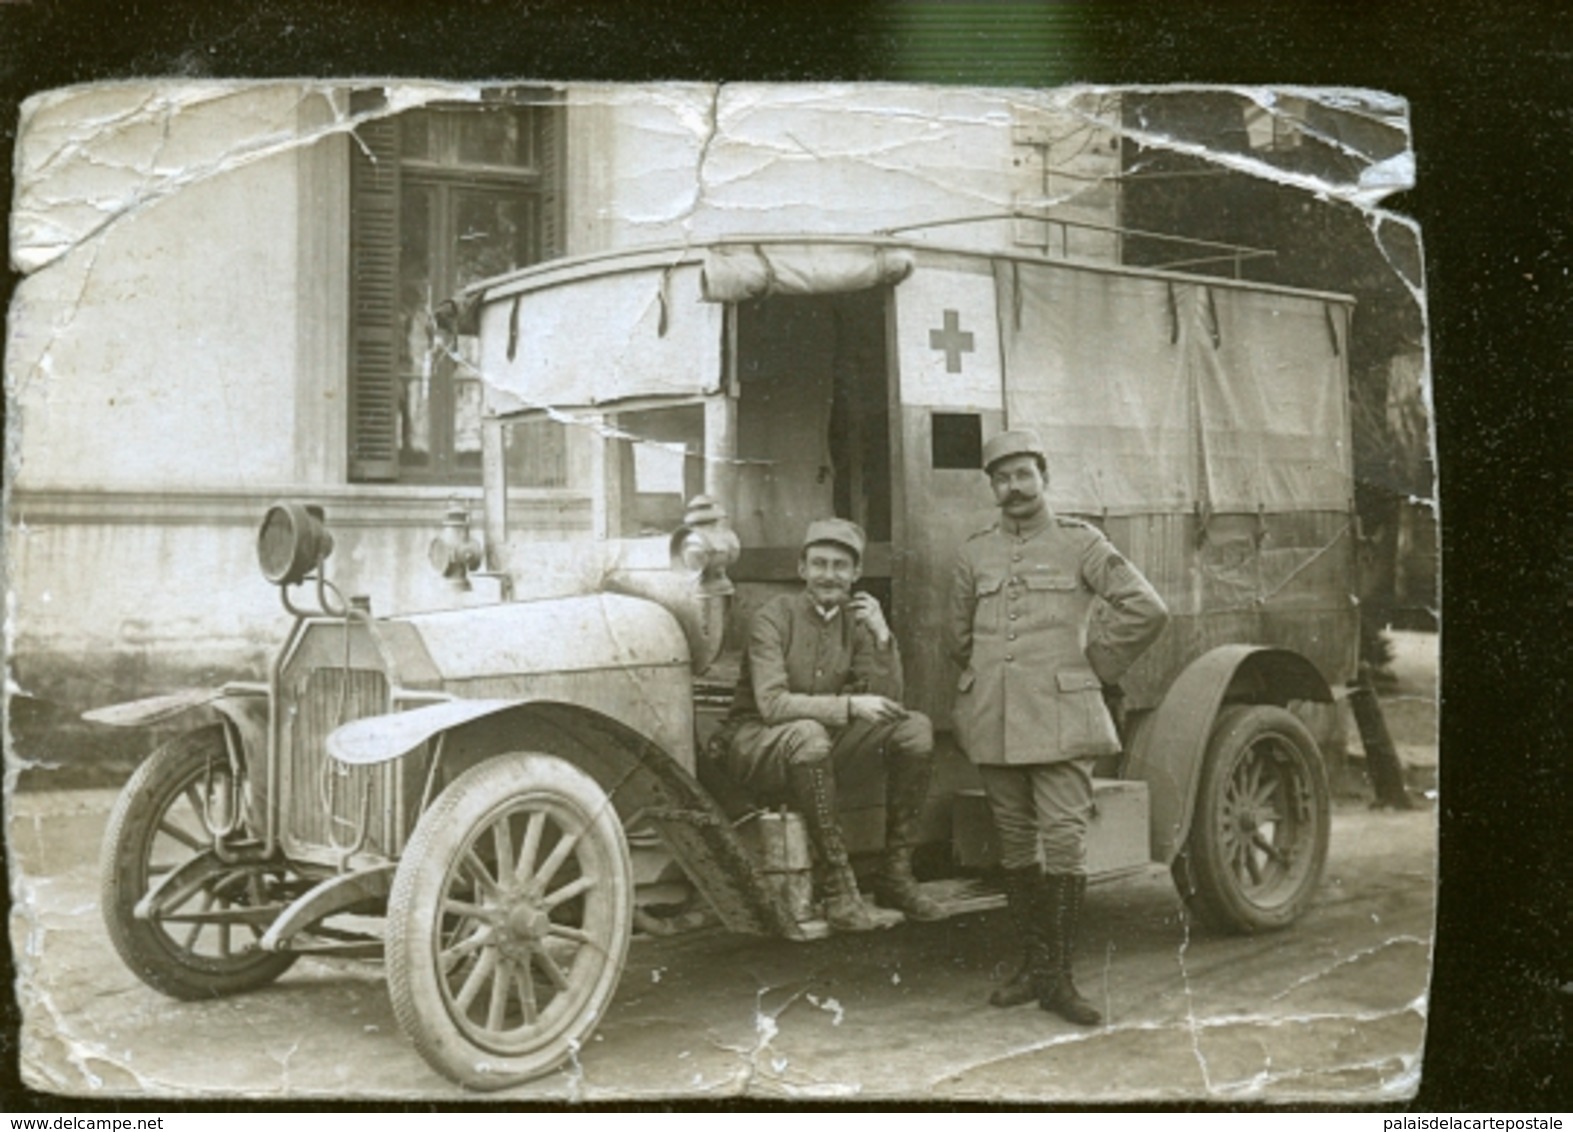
x=152, y=955
x=460, y=818
x=1212, y=884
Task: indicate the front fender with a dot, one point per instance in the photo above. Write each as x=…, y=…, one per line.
x=153, y=710
x=1169, y=747
x=383, y=738
x=644, y=782
x=243, y=706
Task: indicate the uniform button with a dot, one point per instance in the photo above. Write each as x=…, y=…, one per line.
x=1013, y=616
x=1009, y=658
x=1011, y=637
x=819, y=672
x=1016, y=557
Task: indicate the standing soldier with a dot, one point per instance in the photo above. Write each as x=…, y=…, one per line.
x=1030, y=708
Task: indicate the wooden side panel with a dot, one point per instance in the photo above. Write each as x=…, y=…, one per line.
x=944, y=507
x=945, y=360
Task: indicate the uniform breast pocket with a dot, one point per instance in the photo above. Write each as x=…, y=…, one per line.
x=1085, y=727
x=987, y=594
x=1052, y=599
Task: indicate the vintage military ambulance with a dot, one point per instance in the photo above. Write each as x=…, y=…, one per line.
x=494, y=795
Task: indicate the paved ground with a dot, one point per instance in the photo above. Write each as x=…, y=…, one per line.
x=1333, y=1009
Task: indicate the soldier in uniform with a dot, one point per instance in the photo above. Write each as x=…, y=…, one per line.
x=1030, y=708
x=820, y=694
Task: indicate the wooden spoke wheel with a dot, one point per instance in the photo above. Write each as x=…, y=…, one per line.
x=509, y=920
x=1259, y=834
x=202, y=943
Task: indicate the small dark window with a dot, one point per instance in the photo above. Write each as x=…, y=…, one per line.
x=958, y=440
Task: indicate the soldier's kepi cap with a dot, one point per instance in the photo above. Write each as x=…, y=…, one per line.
x=1014, y=442
x=841, y=532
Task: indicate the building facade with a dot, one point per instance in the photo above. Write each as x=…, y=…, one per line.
x=234, y=293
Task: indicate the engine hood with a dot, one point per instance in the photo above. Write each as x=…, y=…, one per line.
x=551, y=635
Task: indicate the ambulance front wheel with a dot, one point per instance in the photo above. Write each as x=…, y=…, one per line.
x=509, y=920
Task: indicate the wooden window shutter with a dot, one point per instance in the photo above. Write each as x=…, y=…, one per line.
x=552, y=140
x=374, y=301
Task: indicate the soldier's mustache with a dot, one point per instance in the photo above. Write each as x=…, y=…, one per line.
x=1017, y=497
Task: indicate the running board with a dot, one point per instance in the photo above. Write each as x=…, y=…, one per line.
x=958, y=896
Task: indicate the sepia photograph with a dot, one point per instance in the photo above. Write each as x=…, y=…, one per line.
x=610, y=592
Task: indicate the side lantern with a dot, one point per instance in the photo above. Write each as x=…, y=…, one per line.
x=705, y=546
x=454, y=553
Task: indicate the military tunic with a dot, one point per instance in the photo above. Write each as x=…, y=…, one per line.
x=794, y=692
x=804, y=664
x=1032, y=671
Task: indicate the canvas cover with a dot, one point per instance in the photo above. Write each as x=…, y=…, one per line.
x=555, y=346
x=600, y=339
x=1152, y=392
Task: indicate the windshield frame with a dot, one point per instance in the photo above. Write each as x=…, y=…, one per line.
x=718, y=454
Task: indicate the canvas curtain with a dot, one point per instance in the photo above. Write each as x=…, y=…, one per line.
x=1152, y=393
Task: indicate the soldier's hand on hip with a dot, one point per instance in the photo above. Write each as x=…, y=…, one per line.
x=875, y=709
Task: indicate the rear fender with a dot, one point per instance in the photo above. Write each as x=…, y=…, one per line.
x=645, y=784
x=1168, y=748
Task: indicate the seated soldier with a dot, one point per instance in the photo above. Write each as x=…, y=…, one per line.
x=820, y=691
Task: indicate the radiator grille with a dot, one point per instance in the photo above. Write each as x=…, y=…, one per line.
x=325, y=798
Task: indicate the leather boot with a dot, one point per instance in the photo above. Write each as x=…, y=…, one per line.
x=1024, y=898
x=813, y=791
x=1065, y=892
x=906, y=789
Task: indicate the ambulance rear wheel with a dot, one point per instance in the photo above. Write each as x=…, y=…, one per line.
x=1259, y=834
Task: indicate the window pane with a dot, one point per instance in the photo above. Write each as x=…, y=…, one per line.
x=660, y=467
x=415, y=134
x=496, y=137
x=416, y=343
x=537, y=453
x=467, y=420
x=492, y=235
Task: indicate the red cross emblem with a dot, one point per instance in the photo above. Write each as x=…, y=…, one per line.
x=953, y=340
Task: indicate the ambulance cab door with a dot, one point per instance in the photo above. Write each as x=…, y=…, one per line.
x=810, y=379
